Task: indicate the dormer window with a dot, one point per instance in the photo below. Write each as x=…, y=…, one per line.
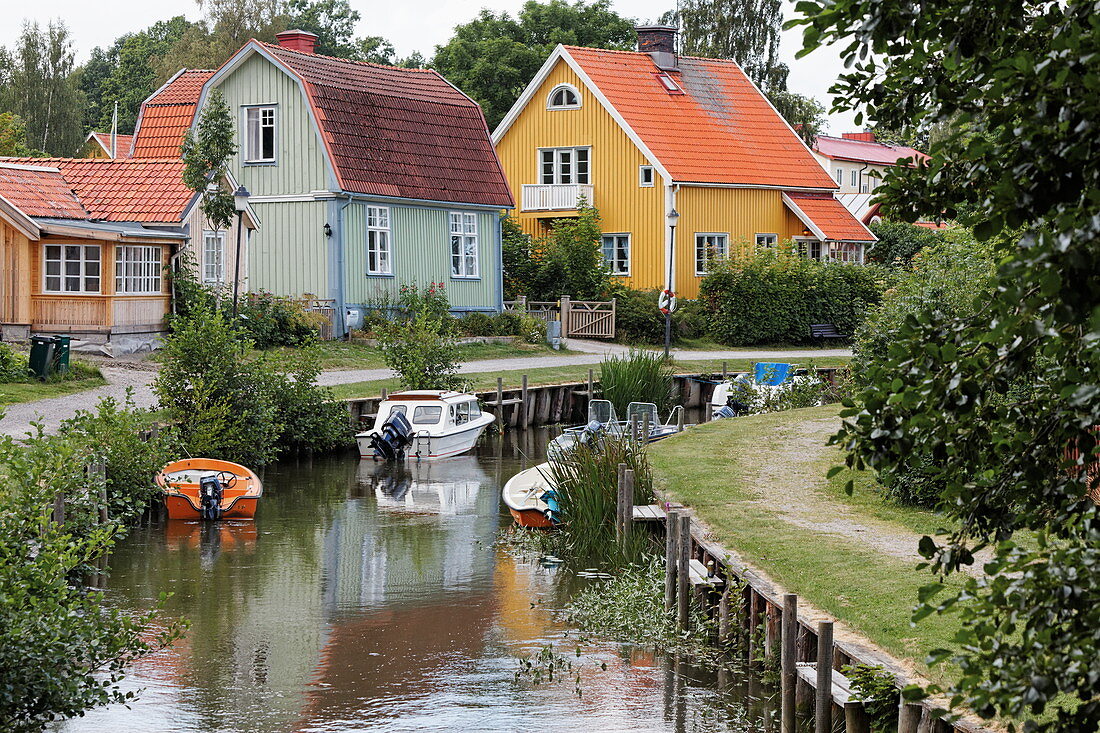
x=564, y=96
x=669, y=84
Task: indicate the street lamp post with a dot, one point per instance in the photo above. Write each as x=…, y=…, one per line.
x=670, y=293
x=240, y=203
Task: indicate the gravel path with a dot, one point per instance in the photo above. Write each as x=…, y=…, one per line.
x=50, y=413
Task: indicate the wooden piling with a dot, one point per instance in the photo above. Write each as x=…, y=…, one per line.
x=708, y=411
x=788, y=673
x=725, y=372
x=908, y=716
x=524, y=412
x=645, y=429
x=724, y=618
x=672, y=554
x=626, y=499
x=620, y=508
x=591, y=381
x=59, y=508
x=500, y=402
x=771, y=629
x=680, y=420
x=682, y=579
x=855, y=718
x=823, y=710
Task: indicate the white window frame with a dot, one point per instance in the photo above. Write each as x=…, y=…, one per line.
x=561, y=160
x=550, y=105
x=83, y=264
x=855, y=178
x=839, y=176
x=853, y=252
x=251, y=156
x=611, y=263
x=465, y=244
x=379, y=245
x=766, y=239
x=669, y=83
x=138, y=269
x=722, y=254
x=646, y=172
x=219, y=265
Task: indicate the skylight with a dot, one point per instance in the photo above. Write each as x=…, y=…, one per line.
x=669, y=84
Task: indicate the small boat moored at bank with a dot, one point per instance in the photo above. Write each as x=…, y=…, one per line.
x=530, y=498
x=207, y=488
x=424, y=424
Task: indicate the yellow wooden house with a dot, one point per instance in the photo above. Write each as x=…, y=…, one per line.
x=679, y=154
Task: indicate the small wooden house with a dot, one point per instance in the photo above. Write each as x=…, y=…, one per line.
x=84, y=243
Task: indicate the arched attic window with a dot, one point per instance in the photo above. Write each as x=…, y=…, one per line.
x=563, y=96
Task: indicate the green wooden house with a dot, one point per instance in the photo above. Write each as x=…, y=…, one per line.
x=366, y=177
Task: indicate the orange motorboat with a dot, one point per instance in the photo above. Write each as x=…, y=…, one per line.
x=206, y=488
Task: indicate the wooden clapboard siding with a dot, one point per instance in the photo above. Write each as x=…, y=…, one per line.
x=289, y=254
x=132, y=310
x=15, y=256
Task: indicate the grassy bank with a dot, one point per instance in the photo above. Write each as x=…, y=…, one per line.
x=344, y=355
x=478, y=381
x=759, y=483
x=81, y=377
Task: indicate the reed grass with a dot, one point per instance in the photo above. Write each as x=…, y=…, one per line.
x=639, y=376
x=586, y=481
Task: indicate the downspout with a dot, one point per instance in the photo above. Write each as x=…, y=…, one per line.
x=338, y=236
x=500, y=262
x=669, y=235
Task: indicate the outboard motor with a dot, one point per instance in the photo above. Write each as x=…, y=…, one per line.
x=210, y=497
x=395, y=436
x=552, y=510
x=591, y=432
x=724, y=411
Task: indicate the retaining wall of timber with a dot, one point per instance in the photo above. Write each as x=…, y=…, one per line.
x=530, y=405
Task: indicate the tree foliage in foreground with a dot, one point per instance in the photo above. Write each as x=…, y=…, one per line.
x=1002, y=400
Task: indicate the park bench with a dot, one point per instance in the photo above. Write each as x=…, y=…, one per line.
x=825, y=331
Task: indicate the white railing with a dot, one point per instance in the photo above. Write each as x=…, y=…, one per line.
x=555, y=196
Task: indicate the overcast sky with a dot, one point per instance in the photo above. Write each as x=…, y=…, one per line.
x=412, y=25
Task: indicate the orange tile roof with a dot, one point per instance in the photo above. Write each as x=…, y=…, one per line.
x=720, y=130
x=123, y=143
x=831, y=216
x=166, y=115
x=39, y=192
x=133, y=190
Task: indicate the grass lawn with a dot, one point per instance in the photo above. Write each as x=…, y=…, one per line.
x=83, y=376
x=706, y=344
x=759, y=483
x=478, y=381
x=344, y=355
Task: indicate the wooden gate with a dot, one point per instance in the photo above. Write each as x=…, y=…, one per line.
x=592, y=319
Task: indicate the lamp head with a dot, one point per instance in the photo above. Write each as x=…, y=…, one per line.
x=240, y=198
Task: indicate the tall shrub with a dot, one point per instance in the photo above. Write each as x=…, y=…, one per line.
x=640, y=376
x=772, y=296
x=898, y=242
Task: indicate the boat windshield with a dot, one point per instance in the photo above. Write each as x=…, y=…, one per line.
x=601, y=411
x=641, y=411
x=427, y=414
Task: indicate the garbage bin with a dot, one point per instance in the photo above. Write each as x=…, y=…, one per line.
x=42, y=356
x=61, y=353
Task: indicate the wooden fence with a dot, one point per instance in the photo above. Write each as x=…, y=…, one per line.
x=579, y=318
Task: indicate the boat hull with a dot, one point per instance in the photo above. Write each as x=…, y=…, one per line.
x=530, y=518
x=182, y=506
x=180, y=482
x=522, y=494
x=433, y=446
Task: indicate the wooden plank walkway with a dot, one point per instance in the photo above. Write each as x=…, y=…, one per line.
x=842, y=688
x=649, y=513
x=700, y=575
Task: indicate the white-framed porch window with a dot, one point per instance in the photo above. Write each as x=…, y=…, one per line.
x=616, y=253
x=260, y=134
x=71, y=268
x=379, y=252
x=213, y=256
x=464, y=244
x=849, y=252
x=767, y=240
x=137, y=268
x=709, y=247
x=565, y=165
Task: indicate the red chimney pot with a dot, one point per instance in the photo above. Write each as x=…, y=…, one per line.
x=297, y=40
x=867, y=137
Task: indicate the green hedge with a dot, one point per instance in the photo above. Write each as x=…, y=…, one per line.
x=771, y=297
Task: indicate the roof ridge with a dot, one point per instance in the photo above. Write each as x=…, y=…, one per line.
x=348, y=61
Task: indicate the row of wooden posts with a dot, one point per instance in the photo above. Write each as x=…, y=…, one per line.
x=97, y=476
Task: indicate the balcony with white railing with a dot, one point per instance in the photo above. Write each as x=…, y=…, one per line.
x=554, y=196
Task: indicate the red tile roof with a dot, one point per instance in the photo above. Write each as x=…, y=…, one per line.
x=166, y=115
x=147, y=190
x=123, y=143
x=38, y=191
x=830, y=216
x=399, y=132
x=720, y=130
x=864, y=151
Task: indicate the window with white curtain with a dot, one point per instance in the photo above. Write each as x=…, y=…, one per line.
x=213, y=256
x=71, y=268
x=259, y=138
x=137, y=268
x=616, y=253
x=709, y=247
x=379, y=256
x=464, y=244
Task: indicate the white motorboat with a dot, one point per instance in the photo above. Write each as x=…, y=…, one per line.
x=602, y=420
x=749, y=393
x=530, y=497
x=424, y=424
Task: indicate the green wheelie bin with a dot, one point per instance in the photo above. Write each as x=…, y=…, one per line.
x=42, y=356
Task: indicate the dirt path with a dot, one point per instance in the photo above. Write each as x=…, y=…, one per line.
x=786, y=484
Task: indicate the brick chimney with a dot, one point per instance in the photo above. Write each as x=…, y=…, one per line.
x=864, y=137
x=659, y=41
x=297, y=40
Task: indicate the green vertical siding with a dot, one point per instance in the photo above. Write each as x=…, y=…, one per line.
x=301, y=163
x=421, y=254
x=289, y=254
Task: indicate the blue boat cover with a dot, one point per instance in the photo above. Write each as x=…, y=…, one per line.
x=771, y=373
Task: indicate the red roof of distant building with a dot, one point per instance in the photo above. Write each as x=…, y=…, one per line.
x=864, y=151
x=39, y=191
x=166, y=115
x=123, y=143
x=397, y=132
x=132, y=190
x=721, y=129
x=830, y=216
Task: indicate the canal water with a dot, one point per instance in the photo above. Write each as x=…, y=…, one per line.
x=374, y=597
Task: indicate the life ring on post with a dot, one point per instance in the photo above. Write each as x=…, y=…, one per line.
x=667, y=302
